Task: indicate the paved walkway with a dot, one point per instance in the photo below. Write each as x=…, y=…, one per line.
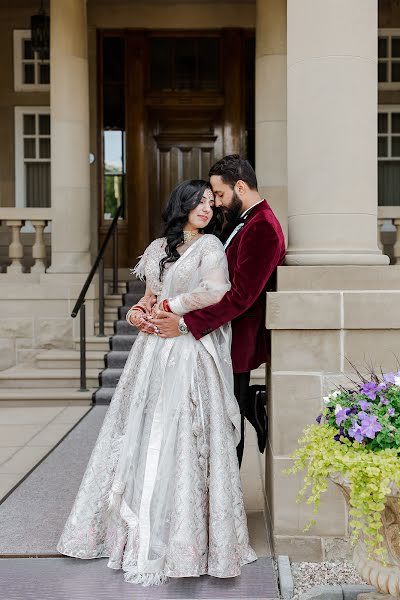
x=27, y=435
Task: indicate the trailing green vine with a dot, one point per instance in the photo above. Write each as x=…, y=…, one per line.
x=358, y=437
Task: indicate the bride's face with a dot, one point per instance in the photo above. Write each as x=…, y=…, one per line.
x=202, y=214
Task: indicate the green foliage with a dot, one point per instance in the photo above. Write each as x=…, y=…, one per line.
x=369, y=472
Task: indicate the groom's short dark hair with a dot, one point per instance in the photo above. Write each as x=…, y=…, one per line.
x=231, y=168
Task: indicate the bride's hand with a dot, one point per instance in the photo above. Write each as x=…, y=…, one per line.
x=138, y=319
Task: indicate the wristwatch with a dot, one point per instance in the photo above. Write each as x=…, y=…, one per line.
x=183, y=328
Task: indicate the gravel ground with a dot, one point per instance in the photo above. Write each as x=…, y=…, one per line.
x=307, y=575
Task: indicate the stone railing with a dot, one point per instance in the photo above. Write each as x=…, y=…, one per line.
x=14, y=219
x=389, y=232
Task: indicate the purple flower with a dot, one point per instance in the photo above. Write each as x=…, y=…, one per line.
x=389, y=377
x=362, y=415
x=364, y=404
x=340, y=434
x=355, y=432
x=318, y=419
x=370, y=426
x=369, y=389
x=341, y=415
x=390, y=412
x=382, y=386
x=384, y=401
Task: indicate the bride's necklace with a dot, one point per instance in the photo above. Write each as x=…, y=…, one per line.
x=188, y=236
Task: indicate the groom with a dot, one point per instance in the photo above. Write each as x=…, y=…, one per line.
x=255, y=246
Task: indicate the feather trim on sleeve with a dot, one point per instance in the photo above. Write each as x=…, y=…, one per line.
x=139, y=269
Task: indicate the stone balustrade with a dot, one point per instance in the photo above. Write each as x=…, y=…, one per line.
x=14, y=219
x=389, y=232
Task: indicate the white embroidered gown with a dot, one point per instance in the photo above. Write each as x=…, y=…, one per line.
x=161, y=496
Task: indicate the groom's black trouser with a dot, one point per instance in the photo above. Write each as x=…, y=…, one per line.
x=241, y=383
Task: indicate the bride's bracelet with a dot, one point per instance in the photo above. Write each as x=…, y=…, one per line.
x=165, y=306
x=133, y=309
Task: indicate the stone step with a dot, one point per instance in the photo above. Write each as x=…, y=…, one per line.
x=27, y=377
x=103, y=395
x=122, y=342
x=44, y=396
x=109, y=377
x=131, y=298
x=108, y=328
x=136, y=286
x=116, y=359
x=69, y=359
x=95, y=343
x=111, y=300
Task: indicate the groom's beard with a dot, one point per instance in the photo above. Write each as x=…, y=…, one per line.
x=235, y=209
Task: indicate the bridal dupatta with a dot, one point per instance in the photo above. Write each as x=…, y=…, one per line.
x=190, y=283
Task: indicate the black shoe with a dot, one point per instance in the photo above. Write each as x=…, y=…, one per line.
x=256, y=415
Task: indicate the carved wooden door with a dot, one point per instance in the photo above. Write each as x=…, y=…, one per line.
x=182, y=144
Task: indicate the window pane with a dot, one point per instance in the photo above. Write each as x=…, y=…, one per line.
x=114, y=106
x=396, y=47
x=395, y=122
x=382, y=122
x=160, y=64
x=29, y=124
x=44, y=73
x=27, y=53
x=44, y=124
x=29, y=148
x=37, y=189
x=113, y=191
x=114, y=59
x=113, y=152
x=44, y=147
x=185, y=64
x=382, y=146
x=389, y=183
x=382, y=47
x=208, y=63
x=382, y=71
x=28, y=73
x=395, y=71
x=396, y=146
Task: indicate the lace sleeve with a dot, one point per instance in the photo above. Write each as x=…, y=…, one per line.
x=214, y=281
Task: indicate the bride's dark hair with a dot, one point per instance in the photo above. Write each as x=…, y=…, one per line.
x=184, y=198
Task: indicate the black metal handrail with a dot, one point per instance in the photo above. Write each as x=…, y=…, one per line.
x=80, y=303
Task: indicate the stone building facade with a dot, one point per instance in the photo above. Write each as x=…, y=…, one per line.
x=292, y=85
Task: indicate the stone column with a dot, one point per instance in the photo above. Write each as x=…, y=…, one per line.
x=332, y=132
x=69, y=94
x=271, y=163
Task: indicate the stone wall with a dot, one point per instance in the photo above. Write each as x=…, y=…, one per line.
x=35, y=314
x=320, y=318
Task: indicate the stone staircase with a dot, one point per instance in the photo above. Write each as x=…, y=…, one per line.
x=55, y=376
x=121, y=341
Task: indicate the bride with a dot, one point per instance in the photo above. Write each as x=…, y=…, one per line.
x=161, y=496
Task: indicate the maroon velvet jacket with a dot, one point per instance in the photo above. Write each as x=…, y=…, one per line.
x=253, y=256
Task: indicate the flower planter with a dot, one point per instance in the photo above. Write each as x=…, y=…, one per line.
x=384, y=577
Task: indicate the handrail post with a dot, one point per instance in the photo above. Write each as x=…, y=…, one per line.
x=101, y=299
x=82, y=344
x=115, y=260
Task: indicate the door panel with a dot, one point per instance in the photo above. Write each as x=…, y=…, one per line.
x=182, y=145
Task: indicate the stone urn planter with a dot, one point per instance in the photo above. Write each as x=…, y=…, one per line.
x=384, y=577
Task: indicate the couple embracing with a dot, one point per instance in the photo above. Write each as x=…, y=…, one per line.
x=161, y=496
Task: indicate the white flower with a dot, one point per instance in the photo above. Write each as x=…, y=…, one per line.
x=335, y=394
x=326, y=399
x=338, y=407
x=397, y=380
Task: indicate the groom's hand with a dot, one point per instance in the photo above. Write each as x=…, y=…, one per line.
x=167, y=324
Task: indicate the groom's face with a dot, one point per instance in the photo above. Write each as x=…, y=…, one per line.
x=226, y=198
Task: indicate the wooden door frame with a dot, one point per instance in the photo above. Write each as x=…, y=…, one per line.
x=139, y=99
